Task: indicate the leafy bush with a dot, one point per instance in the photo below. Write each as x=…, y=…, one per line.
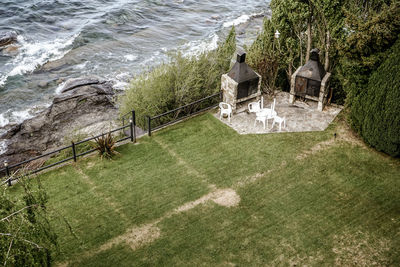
x=179, y=82
x=378, y=107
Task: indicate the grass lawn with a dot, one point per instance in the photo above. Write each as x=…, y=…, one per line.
x=198, y=193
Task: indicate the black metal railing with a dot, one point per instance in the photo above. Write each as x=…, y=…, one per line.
x=11, y=171
x=183, y=112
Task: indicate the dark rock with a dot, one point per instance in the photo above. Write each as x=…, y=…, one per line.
x=11, y=50
x=74, y=83
x=8, y=38
x=85, y=102
x=53, y=65
x=43, y=84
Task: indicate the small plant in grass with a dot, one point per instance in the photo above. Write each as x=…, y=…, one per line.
x=105, y=145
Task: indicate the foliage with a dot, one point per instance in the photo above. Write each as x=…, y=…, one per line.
x=371, y=33
x=262, y=57
x=290, y=19
x=379, y=106
x=351, y=35
x=105, y=145
x=182, y=80
x=27, y=238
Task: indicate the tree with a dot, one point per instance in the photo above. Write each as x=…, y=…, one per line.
x=27, y=238
x=290, y=19
x=263, y=57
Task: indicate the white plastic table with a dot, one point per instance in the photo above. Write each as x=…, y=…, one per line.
x=266, y=113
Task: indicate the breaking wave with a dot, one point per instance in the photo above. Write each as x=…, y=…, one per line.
x=34, y=54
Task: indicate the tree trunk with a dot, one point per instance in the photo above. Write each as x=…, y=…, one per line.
x=301, y=51
x=309, y=38
x=290, y=71
x=327, y=46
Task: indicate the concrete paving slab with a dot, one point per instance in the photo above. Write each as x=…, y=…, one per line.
x=302, y=116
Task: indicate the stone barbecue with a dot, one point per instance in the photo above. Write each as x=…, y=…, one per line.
x=311, y=81
x=242, y=83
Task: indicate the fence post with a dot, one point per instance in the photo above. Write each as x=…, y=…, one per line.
x=149, y=125
x=73, y=150
x=133, y=127
x=7, y=173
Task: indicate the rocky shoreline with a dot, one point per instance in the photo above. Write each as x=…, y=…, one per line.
x=85, y=106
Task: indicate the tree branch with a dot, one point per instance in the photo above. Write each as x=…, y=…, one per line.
x=25, y=240
x=18, y=211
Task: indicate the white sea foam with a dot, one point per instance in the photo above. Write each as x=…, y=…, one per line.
x=197, y=47
x=120, y=85
x=3, y=146
x=34, y=54
x=59, y=88
x=150, y=60
x=130, y=57
x=81, y=66
x=240, y=20
x=20, y=116
x=3, y=120
x=120, y=81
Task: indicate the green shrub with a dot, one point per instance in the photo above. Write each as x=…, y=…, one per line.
x=379, y=106
x=105, y=146
x=179, y=82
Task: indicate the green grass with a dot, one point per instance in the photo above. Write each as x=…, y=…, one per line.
x=338, y=205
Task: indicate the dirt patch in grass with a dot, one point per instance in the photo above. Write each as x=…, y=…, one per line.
x=90, y=164
x=139, y=236
x=315, y=149
x=251, y=179
x=360, y=249
x=345, y=133
x=226, y=198
x=135, y=237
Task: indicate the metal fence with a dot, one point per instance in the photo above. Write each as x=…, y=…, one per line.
x=9, y=171
x=183, y=112
x=153, y=123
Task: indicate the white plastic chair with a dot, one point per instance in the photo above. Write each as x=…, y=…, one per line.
x=273, y=105
x=272, y=113
x=261, y=119
x=279, y=120
x=225, y=109
x=254, y=106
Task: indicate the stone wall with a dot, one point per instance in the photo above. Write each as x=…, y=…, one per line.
x=229, y=90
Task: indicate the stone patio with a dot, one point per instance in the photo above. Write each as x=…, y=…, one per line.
x=302, y=116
